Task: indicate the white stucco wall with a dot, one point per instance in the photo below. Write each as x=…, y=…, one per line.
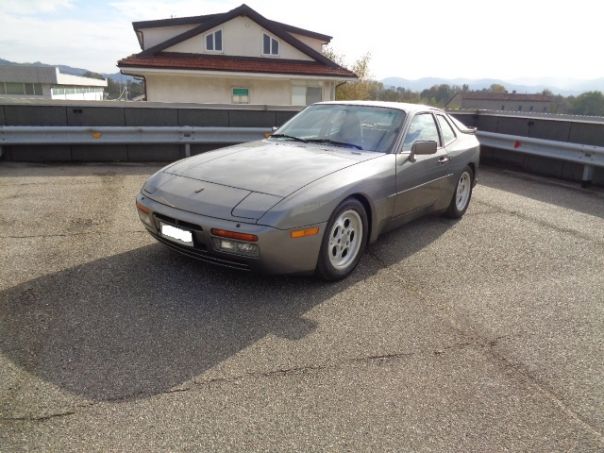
x=156, y=35
x=314, y=44
x=241, y=36
x=214, y=90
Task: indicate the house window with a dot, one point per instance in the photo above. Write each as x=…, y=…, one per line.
x=270, y=46
x=302, y=95
x=20, y=88
x=214, y=41
x=241, y=95
x=15, y=88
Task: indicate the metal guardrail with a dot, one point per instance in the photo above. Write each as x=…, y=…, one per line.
x=81, y=135
x=572, y=152
x=588, y=155
x=87, y=135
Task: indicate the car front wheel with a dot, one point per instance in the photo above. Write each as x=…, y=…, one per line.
x=344, y=241
x=462, y=195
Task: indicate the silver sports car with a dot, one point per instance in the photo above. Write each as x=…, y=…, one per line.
x=311, y=196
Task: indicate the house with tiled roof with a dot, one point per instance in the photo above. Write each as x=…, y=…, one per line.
x=237, y=57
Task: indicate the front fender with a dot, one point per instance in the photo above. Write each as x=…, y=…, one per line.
x=374, y=180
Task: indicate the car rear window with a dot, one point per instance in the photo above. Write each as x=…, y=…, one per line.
x=461, y=126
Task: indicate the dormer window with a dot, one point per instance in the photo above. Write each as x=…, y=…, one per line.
x=271, y=46
x=214, y=41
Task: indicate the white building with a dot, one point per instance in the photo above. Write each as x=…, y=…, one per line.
x=47, y=82
x=237, y=57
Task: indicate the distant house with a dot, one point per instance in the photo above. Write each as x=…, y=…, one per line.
x=237, y=57
x=47, y=82
x=501, y=101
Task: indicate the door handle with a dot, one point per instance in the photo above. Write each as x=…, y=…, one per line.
x=443, y=159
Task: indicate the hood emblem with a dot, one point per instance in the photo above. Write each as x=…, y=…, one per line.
x=201, y=189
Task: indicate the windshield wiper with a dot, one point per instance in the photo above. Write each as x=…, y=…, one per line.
x=333, y=142
x=298, y=139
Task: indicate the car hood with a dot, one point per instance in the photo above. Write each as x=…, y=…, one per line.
x=273, y=168
x=243, y=182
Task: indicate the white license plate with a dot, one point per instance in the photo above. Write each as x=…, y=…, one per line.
x=177, y=234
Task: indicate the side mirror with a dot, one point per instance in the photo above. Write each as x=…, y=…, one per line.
x=422, y=147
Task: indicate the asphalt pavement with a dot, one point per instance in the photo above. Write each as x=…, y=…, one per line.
x=484, y=334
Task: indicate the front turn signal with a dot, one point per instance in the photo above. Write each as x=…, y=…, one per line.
x=295, y=234
x=234, y=235
x=144, y=209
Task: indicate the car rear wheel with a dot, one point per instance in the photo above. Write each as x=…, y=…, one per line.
x=344, y=241
x=462, y=195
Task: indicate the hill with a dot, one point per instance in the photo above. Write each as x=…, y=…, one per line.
x=115, y=77
x=565, y=87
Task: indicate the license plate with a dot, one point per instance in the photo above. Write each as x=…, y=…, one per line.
x=177, y=234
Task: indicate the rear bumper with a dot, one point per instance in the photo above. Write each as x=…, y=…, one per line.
x=278, y=252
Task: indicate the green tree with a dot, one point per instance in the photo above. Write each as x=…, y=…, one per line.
x=589, y=103
x=497, y=88
x=561, y=104
x=361, y=89
x=330, y=53
x=439, y=95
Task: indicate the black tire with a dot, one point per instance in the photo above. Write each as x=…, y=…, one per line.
x=456, y=211
x=325, y=267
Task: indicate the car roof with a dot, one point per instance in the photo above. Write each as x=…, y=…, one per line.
x=408, y=108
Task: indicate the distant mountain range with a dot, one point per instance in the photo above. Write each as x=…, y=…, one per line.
x=565, y=87
x=116, y=76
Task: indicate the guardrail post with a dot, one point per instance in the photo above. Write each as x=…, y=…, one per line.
x=588, y=174
x=187, y=150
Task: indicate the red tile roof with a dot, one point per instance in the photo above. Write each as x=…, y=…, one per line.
x=200, y=62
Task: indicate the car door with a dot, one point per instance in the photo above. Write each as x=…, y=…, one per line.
x=420, y=179
x=453, y=148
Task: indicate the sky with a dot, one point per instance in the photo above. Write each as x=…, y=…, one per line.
x=511, y=40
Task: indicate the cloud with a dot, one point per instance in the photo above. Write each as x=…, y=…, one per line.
x=160, y=9
x=92, y=45
x=29, y=7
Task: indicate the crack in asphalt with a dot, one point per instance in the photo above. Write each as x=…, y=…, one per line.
x=280, y=372
x=522, y=371
x=39, y=418
x=64, y=235
x=490, y=345
x=487, y=345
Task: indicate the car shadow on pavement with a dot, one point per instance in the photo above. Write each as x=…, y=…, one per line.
x=142, y=322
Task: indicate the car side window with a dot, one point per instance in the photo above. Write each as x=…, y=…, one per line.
x=422, y=127
x=446, y=130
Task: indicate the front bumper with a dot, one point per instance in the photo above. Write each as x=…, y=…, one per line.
x=278, y=252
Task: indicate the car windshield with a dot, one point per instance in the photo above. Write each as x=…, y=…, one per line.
x=355, y=126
